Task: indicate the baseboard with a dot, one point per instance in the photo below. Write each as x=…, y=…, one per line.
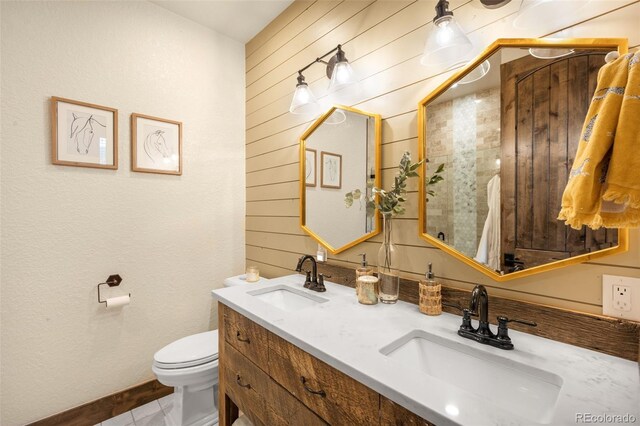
x=109, y=406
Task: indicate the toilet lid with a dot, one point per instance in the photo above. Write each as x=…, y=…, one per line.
x=189, y=351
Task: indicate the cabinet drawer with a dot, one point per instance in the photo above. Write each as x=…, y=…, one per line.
x=263, y=400
x=246, y=385
x=333, y=395
x=394, y=414
x=285, y=410
x=246, y=336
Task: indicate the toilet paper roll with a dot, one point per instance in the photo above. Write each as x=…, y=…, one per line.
x=116, y=302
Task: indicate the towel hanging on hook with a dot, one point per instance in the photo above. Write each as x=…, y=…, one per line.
x=605, y=168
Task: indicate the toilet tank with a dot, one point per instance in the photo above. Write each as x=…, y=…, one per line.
x=241, y=280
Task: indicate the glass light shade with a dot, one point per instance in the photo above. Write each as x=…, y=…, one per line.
x=342, y=76
x=446, y=45
x=303, y=101
x=337, y=117
x=476, y=74
x=549, y=53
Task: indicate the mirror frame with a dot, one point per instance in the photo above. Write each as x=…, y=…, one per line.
x=378, y=169
x=619, y=44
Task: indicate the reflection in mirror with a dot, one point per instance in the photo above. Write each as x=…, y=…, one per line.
x=507, y=133
x=341, y=154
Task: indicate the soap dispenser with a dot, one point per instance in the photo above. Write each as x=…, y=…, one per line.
x=321, y=254
x=430, y=295
x=363, y=269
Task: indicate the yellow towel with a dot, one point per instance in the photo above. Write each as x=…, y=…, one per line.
x=604, y=183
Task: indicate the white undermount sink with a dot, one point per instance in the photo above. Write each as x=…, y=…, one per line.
x=509, y=385
x=286, y=298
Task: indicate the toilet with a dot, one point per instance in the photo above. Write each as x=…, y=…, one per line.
x=190, y=366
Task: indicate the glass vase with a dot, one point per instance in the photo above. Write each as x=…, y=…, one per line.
x=388, y=264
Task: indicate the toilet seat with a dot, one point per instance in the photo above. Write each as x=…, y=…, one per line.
x=190, y=351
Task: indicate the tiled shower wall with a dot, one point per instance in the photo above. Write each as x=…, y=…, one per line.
x=464, y=134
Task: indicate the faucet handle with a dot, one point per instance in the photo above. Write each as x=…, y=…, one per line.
x=319, y=285
x=503, y=330
x=466, y=316
x=504, y=320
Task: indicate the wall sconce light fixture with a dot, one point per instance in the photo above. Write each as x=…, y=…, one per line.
x=340, y=73
x=446, y=45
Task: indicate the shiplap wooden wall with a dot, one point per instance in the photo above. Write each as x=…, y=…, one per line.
x=383, y=41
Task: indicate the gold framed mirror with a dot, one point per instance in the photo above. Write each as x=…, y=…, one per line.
x=340, y=153
x=506, y=127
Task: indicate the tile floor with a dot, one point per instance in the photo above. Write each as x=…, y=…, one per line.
x=151, y=414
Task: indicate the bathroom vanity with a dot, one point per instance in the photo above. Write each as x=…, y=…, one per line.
x=291, y=356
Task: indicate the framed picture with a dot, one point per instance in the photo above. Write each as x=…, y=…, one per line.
x=83, y=134
x=310, y=167
x=330, y=170
x=156, y=145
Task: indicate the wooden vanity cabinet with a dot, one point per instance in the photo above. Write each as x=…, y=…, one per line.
x=274, y=382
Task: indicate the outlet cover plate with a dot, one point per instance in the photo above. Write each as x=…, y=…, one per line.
x=608, y=307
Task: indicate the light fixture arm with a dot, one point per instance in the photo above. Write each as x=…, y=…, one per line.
x=303, y=101
x=340, y=57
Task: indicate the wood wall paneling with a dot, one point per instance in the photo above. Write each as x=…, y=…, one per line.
x=384, y=41
x=109, y=406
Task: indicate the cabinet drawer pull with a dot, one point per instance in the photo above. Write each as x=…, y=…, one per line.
x=241, y=339
x=308, y=389
x=239, y=382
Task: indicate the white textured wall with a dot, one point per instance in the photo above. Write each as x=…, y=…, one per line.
x=64, y=229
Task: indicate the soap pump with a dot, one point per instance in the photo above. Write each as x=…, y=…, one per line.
x=363, y=269
x=430, y=295
x=321, y=254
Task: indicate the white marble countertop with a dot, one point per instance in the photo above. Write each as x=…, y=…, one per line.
x=348, y=336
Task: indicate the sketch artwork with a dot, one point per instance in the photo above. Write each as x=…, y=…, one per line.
x=83, y=134
x=84, y=131
x=331, y=173
x=310, y=167
x=156, y=145
x=331, y=165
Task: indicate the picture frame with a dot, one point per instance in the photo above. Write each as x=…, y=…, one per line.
x=310, y=167
x=330, y=170
x=83, y=134
x=156, y=145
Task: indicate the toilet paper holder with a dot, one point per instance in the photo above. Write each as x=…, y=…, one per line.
x=112, y=281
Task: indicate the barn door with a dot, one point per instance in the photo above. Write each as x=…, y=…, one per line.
x=546, y=102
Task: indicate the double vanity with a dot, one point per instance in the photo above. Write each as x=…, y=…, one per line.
x=294, y=356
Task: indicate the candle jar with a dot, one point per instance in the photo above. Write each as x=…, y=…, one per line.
x=253, y=274
x=367, y=289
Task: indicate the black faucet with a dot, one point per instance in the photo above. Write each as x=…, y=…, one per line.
x=479, y=303
x=479, y=306
x=314, y=280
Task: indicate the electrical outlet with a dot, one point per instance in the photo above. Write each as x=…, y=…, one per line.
x=621, y=297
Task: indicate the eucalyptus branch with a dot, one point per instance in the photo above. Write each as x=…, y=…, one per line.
x=434, y=179
x=391, y=202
